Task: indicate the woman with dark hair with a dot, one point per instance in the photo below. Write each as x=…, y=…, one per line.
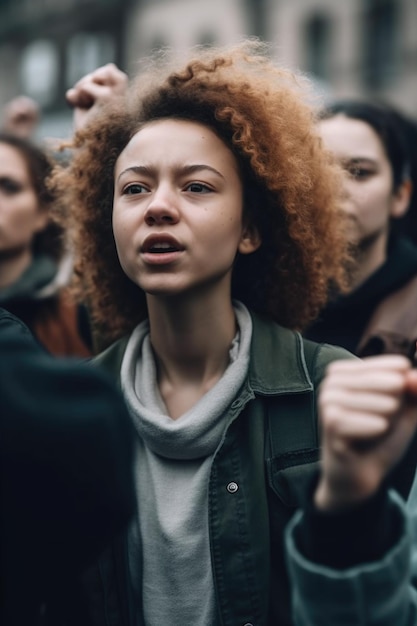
x=353, y=547
x=407, y=225
x=35, y=266
x=378, y=314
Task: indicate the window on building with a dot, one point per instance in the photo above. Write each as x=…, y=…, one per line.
x=318, y=45
x=86, y=52
x=380, y=42
x=39, y=68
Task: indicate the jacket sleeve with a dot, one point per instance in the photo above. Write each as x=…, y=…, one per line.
x=65, y=461
x=379, y=593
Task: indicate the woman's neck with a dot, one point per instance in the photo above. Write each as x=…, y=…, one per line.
x=191, y=343
x=12, y=267
x=369, y=259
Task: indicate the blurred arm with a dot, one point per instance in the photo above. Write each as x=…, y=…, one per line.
x=65, y=461
x=94, y=90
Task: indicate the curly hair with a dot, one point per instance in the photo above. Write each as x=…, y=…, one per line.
x=50, y=240
x=291, y=186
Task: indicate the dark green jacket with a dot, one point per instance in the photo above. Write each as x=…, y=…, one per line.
x=255, y=484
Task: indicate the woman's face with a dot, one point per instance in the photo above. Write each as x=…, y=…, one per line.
x=20, y=214
x=177, y=215
x=370, y=198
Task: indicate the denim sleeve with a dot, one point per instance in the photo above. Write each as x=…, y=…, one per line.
x=377, y=593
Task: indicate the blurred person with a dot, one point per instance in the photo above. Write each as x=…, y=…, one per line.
x=352, y=549
x=205, y=220
x=21, y=117
x=378, y=315
x=65, y=473
x=35, y=266
x=407, y=225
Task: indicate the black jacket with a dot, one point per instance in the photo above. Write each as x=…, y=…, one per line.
x=65, y=472
x=378, y=309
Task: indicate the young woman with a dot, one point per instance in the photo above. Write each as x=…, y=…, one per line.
x=378, y=314
x=34, y=266
x=206, y=224
x=351, y=553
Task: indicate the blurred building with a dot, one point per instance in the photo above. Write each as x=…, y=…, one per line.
x=47, y=45
x=349, y=47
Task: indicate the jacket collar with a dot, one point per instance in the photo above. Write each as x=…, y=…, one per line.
x=277, y=363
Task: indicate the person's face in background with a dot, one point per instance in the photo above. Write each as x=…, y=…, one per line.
x=177, y=214
x=370, y=197
x=21, y=215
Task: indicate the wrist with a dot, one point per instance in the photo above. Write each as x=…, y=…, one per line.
x=335, y=499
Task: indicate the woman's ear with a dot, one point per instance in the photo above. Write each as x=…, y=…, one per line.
x=250, y=240
x=401, y=199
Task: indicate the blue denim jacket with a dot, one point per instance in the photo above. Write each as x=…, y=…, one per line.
x=380, y=593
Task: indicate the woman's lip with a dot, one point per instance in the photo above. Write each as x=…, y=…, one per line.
x=161, y=258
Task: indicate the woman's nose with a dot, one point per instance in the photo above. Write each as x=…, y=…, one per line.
x=162, y=208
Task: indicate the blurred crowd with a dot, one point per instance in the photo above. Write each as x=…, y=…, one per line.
x=208, y=331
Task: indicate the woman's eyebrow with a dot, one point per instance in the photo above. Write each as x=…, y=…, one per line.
x=137, y=169
x=197, y=167
x=182, y=169
x=360, y=159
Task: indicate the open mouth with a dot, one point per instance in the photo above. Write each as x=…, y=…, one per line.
x=157, y=244
x=160, y=248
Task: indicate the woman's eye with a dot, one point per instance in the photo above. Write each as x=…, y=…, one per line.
x=134, y=188
x=198, y=188
x=10, y=186
x=359, y=173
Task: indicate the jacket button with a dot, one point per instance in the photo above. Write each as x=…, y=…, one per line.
x=232, y=488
